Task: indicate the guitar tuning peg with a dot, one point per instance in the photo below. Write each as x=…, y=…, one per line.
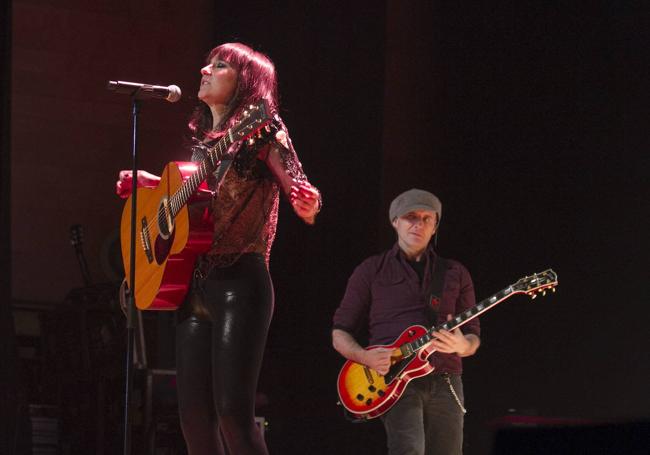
x=533, y=296
x=553, y=289
x=544, y=292
x=267, y=128
x=259, y=134
x=251, y=141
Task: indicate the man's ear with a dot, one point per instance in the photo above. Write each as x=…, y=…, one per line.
x=394, y=223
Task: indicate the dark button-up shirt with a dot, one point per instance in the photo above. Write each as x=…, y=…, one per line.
x=385, y=291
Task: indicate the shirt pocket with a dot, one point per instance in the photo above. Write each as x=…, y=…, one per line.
x=387, y=295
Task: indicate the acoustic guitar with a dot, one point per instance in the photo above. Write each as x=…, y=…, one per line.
x=166, y=248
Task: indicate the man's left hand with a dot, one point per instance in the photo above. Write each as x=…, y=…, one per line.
x=451, y=342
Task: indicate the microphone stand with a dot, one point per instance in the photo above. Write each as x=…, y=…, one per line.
x=137, y=92
x=130, y=292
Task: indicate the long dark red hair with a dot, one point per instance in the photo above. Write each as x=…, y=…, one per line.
x=256, y=80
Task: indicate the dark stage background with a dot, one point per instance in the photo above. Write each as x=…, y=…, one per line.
x=527, y=119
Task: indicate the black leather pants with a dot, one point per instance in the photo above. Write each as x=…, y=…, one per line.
x=220, y=342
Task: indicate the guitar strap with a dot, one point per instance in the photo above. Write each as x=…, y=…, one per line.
x=439, y=267
x=220, y=172
x=199, y=153
x=201, y=267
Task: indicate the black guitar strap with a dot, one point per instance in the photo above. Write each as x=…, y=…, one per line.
x=436, y=286
x=199, y=153
x=220, y=172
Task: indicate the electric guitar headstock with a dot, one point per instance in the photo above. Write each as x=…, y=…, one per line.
x=537, y=283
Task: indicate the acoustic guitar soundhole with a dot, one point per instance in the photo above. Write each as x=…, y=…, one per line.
x=162, y=247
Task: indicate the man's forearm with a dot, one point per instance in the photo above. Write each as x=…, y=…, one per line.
x=347, y=346
x=474, y=343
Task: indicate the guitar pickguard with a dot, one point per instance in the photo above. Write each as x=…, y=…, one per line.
x=397, y=368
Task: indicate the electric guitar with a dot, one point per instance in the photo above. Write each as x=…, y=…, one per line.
x=166, y=248
x=366, y=394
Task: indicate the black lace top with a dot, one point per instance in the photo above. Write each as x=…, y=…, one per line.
x=244, y=209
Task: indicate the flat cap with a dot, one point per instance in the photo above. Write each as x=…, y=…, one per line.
x=414, y=199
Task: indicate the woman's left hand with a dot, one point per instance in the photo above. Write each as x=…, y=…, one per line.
x=305, y=200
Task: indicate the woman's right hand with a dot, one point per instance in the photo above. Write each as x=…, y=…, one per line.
x=124, y=184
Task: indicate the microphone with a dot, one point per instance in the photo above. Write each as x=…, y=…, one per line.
x=171, y=93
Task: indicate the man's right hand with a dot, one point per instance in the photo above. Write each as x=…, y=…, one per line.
x=378, y=359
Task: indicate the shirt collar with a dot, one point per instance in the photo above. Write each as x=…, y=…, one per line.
x=396, y=252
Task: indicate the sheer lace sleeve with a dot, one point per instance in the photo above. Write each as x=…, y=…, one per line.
x=282, y=160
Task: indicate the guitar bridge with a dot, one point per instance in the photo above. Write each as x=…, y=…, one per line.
x=145, y=237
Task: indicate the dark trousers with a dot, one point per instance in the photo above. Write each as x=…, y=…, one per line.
x=219, y=346
x=427, y=420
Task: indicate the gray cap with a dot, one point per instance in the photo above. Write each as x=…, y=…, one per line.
x=414, y=199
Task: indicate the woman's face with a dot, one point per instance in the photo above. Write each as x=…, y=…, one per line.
x=218, y=83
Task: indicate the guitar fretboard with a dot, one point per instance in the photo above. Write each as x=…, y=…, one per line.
x=207, y=165
x=538, y=282
x=252, y=120
x=459, y=319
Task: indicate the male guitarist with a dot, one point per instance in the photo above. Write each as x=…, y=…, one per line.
x=408, y=285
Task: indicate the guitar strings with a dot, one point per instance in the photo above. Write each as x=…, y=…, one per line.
x=175, y=204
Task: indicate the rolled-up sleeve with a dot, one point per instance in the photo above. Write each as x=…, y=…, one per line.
x=355, y=304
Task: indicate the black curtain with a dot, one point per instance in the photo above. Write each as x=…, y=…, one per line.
x=7, y=353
